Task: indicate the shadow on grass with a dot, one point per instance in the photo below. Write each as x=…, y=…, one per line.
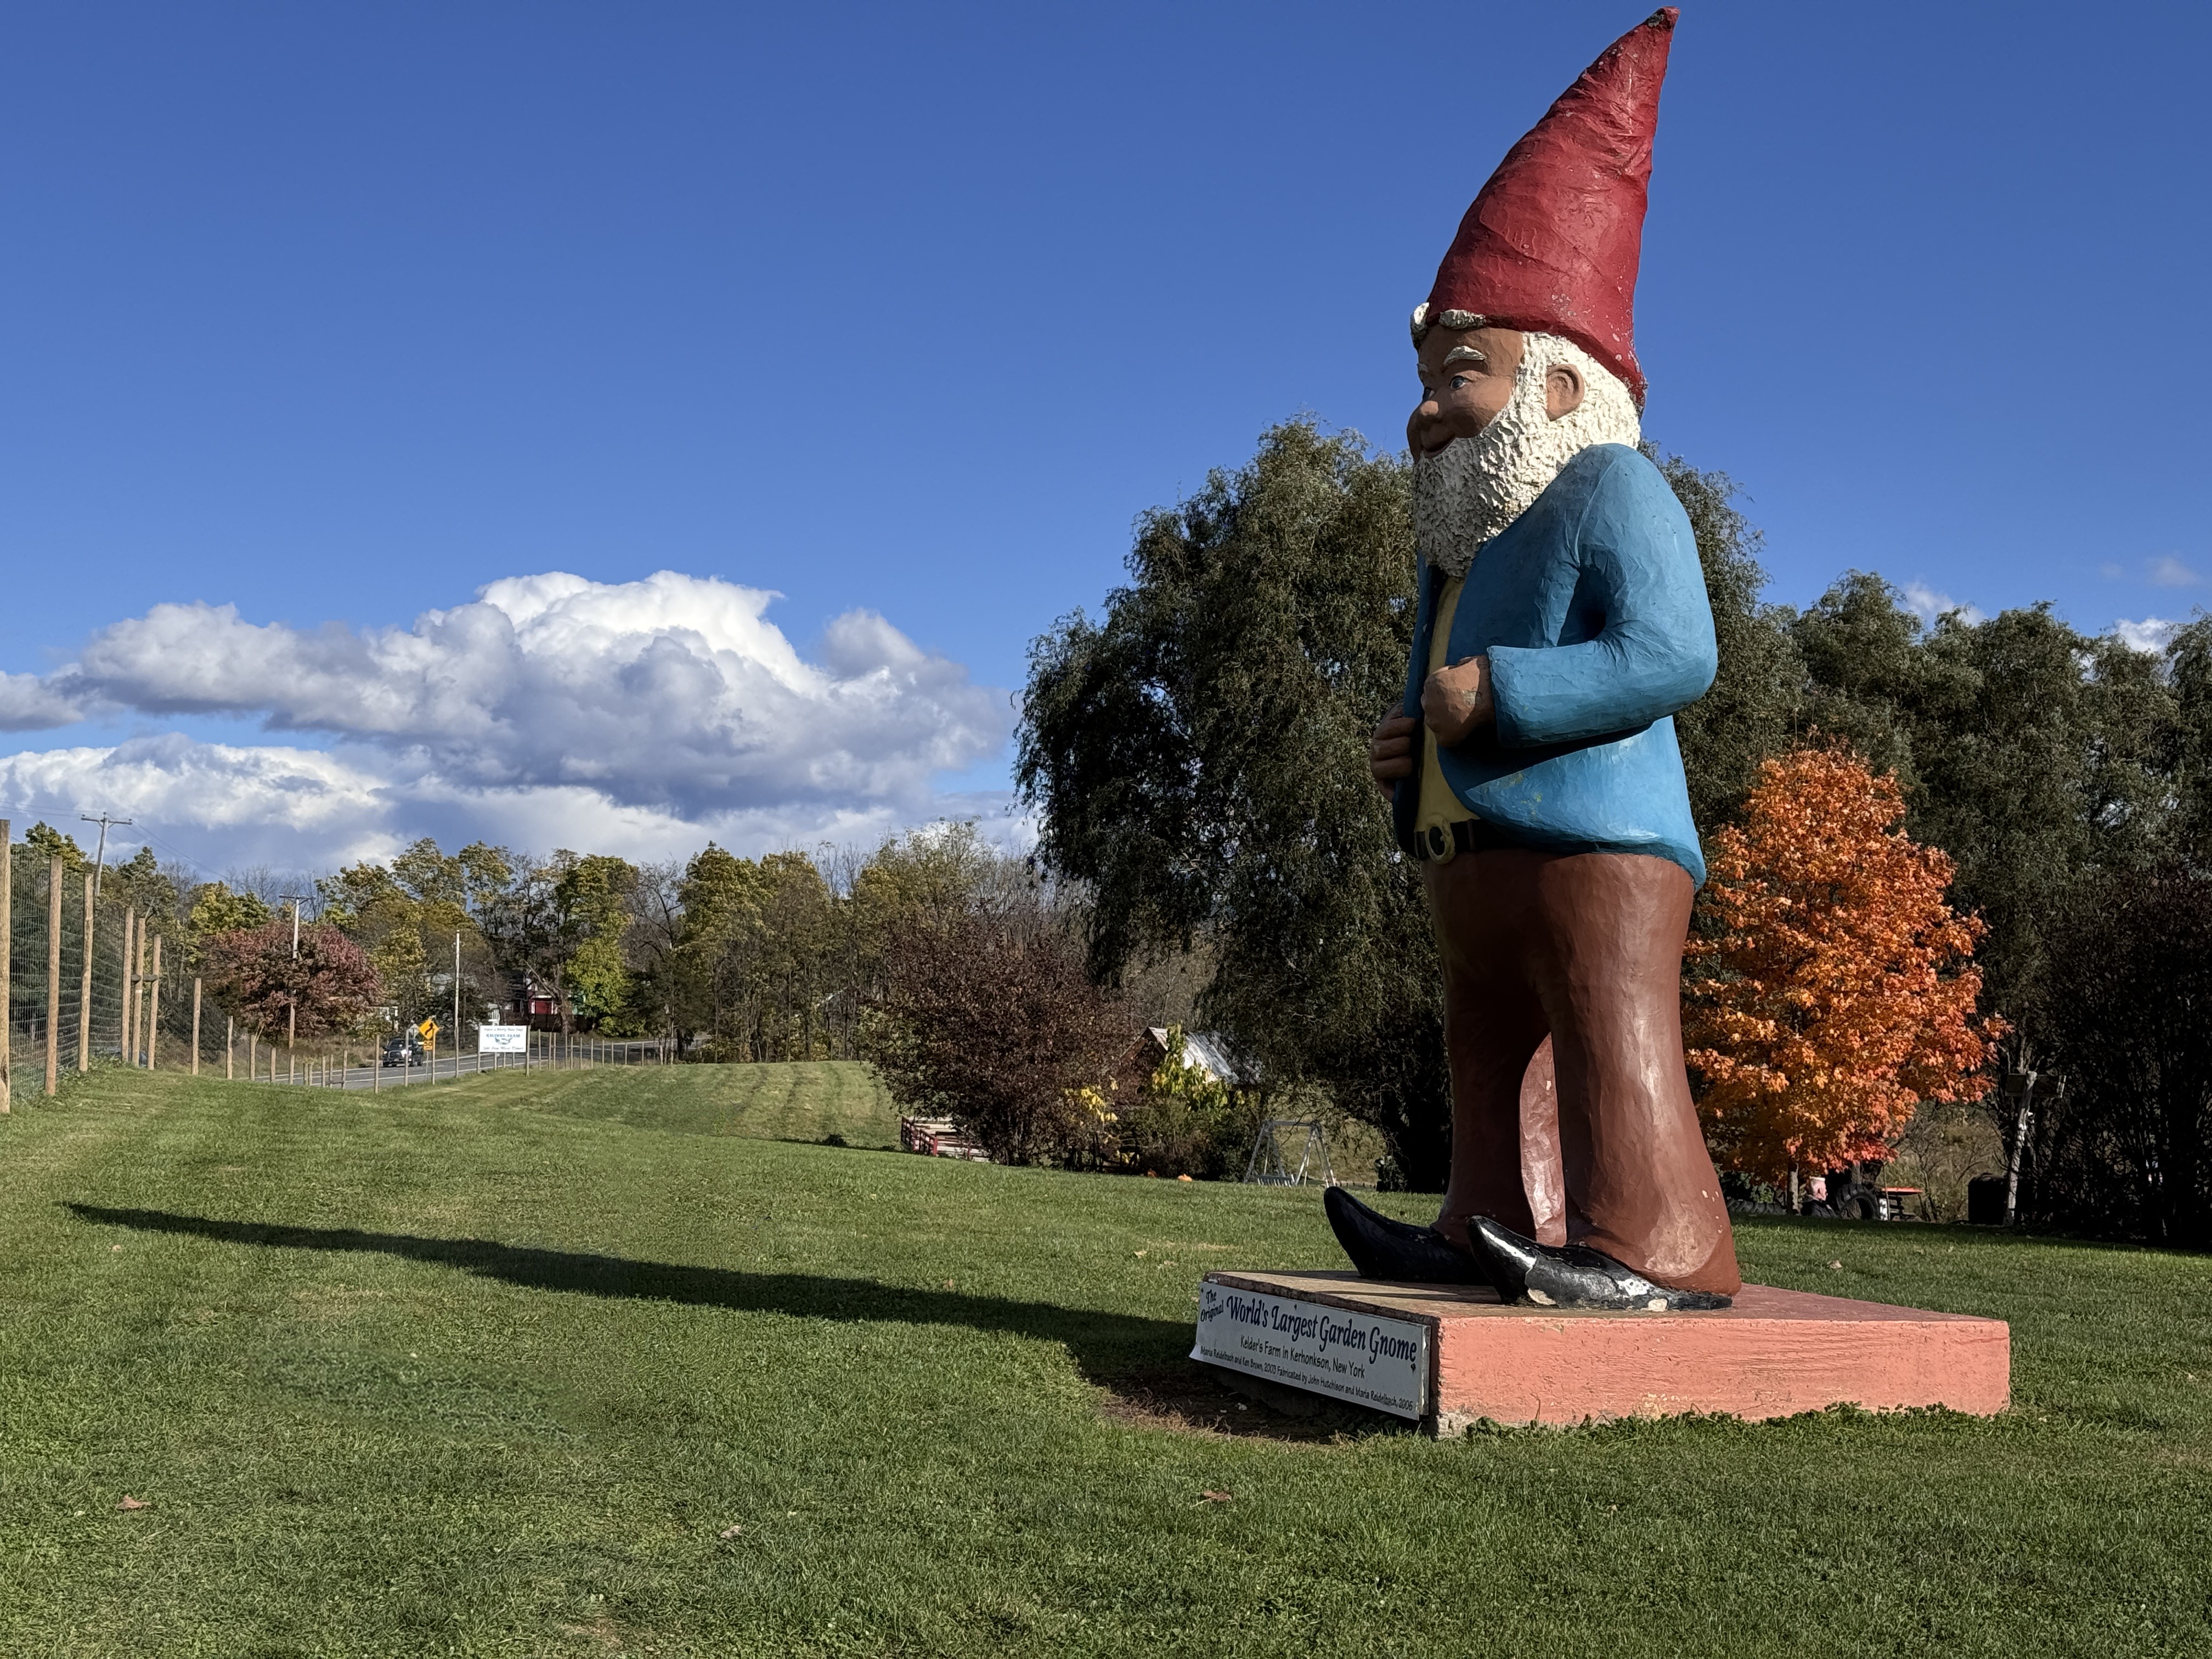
x=1140, y=1362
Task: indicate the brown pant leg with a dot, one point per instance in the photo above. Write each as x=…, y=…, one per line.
x=1541, y=1176
x=1604, y=933
x=1493, y=1024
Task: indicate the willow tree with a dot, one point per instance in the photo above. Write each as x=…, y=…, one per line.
x=1197, y=757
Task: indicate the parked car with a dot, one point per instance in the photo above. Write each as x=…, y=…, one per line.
x=403, y=1051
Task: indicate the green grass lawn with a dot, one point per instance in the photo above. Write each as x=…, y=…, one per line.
x=626, y=1362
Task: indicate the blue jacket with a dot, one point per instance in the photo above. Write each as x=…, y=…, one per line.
x=1592, y=608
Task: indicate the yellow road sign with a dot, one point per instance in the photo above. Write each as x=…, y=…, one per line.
x=428, y=1029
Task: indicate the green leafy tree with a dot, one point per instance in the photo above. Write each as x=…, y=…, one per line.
x=598, y=889
x=141, y=882
x=43, y=842
x=778, y=961
x=2188, y=681
x=211, y=908
x=405, y=915
x=214, y=909
x=2029, y=753
x=1197, y=758
x=919, y=879
x=560, y=925
x=2127, y=1148
x=715, y=889
x=1754, y=709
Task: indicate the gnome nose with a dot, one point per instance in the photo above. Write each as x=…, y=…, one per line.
x=1428, y=432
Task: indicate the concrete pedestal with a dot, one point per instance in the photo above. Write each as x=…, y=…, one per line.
x=1773, y=1354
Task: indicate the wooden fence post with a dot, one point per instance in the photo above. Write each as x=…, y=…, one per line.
x=53, y=975
x=138, y=993
x=230, y=1049
x=196, y=1024
x=84, y=988
x=130, y=986
x=6, y=954
x=154, y=1007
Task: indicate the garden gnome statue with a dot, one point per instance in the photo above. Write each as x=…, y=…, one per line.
x=1534, y=769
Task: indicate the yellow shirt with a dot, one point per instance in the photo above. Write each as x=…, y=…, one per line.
x=1436, y=805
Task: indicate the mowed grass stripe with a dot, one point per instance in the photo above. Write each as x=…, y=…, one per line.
x=489, y=1369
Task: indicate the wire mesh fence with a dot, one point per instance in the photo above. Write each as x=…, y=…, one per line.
x=90, y=981
x=358, y=1066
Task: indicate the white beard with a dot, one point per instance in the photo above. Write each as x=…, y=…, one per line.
x=1478, y=486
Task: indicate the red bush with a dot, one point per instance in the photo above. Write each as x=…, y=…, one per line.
x=330, y=984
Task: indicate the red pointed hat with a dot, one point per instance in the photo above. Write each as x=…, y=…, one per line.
x=1551, y=244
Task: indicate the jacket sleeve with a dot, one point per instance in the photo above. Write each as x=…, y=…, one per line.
x=1652, y=652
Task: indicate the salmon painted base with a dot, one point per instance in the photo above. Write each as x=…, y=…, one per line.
x=1775, y=1353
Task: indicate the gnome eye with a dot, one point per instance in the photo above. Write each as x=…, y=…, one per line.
x=1459, y=382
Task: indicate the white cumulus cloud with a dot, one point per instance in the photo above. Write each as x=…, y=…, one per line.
x=2150, y=636
x=675, y=690
x=28, y=703
x=1925, y=603
x=634, y=717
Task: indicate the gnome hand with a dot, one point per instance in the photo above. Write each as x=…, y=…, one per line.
x=1457, y=700
x=1391, y=751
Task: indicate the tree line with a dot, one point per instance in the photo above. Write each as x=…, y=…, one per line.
x=1195, y=758
x=778, y=957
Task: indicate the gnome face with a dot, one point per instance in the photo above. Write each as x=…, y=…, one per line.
x=1468, y=378
x=1501, y=413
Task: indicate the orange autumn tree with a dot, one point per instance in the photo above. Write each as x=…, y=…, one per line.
x=1834, y=987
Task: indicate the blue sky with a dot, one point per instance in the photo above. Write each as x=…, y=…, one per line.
x=338, y=314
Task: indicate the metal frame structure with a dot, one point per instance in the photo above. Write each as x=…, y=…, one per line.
x=1268, y=1167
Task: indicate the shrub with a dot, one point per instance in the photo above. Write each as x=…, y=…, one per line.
x=330, y=983
x=988, y=1018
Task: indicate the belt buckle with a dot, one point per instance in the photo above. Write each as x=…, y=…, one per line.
x=1439, y=843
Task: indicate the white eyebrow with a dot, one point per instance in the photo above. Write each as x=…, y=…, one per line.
x=1468, y=352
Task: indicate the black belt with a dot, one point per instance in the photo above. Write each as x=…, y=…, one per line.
x=1467, y=836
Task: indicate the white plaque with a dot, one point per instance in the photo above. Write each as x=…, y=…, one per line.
x=502, y=1039
x=1368, y=1358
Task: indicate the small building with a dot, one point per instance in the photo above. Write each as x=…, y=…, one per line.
x=1208, y=1051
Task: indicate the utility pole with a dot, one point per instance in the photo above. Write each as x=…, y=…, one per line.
x=292, y=1001
x=100, y=858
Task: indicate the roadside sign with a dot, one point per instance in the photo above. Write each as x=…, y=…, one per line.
x=502, y=1039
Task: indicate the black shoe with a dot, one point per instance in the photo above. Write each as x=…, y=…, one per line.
x=1542, y=1276
x=1383, y=1249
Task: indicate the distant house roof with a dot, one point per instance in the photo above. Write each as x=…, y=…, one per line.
x=1208, y=1051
